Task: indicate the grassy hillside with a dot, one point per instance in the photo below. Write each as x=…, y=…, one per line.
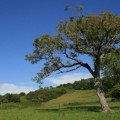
x=79, y=100
x=82, y=97
x=74, y=105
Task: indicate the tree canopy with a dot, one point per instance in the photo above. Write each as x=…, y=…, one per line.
x=92, y=35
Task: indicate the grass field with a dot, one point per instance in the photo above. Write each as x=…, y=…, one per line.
x=75, y=105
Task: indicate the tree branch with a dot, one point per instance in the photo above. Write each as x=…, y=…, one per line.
x=86, y=65
x=69, y=70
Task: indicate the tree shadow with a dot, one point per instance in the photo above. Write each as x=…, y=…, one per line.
x=85, y=108
x=71, y=108
x=91, y=108
x=88, y=106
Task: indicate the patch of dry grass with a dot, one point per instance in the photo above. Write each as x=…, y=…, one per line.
x=82, y=96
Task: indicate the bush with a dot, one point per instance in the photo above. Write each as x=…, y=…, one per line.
x=115, y=92
x=84, y=84
x=3, y=99
x=43, y=95
x=12, y=97
x=15, y=98
x=22, y=94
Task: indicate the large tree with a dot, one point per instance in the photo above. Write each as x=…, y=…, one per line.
x=91, y=35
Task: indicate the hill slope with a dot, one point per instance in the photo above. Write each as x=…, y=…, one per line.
x=77, y=97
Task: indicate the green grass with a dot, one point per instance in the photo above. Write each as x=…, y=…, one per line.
x=35, y=114
x=75, y=105
x=83, y=97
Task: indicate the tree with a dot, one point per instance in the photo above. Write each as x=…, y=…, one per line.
x=12, y=97
x=111, y=71
x=22, y=94
x=91, y=35
x=111, y=67
x=115, y=93
x=83, y=84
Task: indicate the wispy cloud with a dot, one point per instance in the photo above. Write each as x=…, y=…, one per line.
x=57, y=80
x=68, y=78
x=12, y=88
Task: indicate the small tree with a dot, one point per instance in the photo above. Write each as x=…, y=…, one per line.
x=91, y=35
x=22, y=94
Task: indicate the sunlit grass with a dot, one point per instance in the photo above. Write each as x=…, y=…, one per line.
x=83, y=97
x=75, y=105
x=35, y=114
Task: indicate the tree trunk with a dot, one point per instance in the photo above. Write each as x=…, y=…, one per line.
x=100, y=93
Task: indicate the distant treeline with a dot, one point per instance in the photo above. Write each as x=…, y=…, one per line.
x=11, y=97
x=110, y=86
x=49, y=93
x=45, y=94
x=83, y=84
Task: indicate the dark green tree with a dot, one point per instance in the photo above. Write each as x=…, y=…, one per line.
x=111, y=67
x=111, y=72
x=12, y=97
x=115, y=92
x=22, y=94
x=92, y=35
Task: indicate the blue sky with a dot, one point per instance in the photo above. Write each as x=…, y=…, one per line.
x=21, y=21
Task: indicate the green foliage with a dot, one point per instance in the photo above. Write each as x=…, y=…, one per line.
x=22, y=94
x=111, y=66
x=10, y=98
x=108, y=84
x=3, y=99
x=15, y=98
x=83, y=84
x=111, y=71
x=43, y=95
x=115, y=93
x=92, y=35
x=66, y=86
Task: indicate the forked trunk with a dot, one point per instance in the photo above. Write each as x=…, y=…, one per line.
x=100, y=93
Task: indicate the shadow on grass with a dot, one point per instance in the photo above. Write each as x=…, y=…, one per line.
x=85, y=108
x=88, y=106
x=71, y=108
x=94, y=108
x=81, y=103
x=115, y=107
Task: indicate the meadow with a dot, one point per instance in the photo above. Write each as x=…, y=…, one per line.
x=74, y=105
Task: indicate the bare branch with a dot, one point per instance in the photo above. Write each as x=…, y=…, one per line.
x=69, y=70
x=74, y=59
x=80, y=63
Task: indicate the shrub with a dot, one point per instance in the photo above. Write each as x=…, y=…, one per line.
x=84, y=84
x=3, y=99
x=12, y=97
x=22, y=94
x=43, y=95
x=115, y=92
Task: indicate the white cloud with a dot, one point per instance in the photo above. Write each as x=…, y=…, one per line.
x=68, y=78
x=12, y=88
x=61, y=79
